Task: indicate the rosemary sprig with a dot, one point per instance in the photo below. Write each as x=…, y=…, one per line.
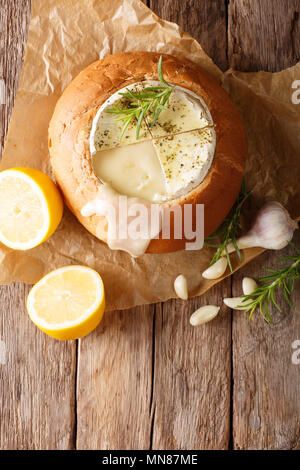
x=148, y=100
x=283, y=278
x=229, y=229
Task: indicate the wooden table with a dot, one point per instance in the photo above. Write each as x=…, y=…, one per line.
x=145, y=379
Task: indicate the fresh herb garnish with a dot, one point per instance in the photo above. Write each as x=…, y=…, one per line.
x=283, y=278
x=229, y=229
x=149, y=99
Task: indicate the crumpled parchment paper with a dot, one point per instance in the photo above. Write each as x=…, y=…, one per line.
x=67, y=35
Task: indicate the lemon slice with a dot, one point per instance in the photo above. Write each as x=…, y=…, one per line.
x=31, y=208
x=67, y=303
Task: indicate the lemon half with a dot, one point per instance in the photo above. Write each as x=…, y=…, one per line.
x=67, y=303
x=31, y=207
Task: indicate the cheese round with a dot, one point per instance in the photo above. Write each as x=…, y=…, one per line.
x=177, y=150
x=195, y=153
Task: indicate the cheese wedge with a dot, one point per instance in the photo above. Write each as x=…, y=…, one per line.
x=185, y=159
x=185, y=111
x=106, y=130
x=133, y=170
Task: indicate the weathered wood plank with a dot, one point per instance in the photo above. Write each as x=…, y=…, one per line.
x=203, y=19
x=191, y=396
x=192, y=367
x=37, y=380
x=266, y=383
x=266, y=399
x=263, y=35
x=115, y=382
x=37, y=386
x=14, y=21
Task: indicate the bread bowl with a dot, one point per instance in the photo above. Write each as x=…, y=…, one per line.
x=75, y=128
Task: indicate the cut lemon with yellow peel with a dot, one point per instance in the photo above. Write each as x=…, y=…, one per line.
x=31, y=207
x=67, y=303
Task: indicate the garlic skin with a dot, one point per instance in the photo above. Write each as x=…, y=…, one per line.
x=204, y=314
x=216, y=270
x=233, y=302
x=180, y=287
x=248, y=285
x=272, y=229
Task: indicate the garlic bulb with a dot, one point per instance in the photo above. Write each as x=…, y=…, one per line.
x=180, y=287
x=248, y=285
x=216, y=270
x=204, y=314
x=273, y=229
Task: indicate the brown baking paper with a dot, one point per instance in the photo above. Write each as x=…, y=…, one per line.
x=67, y=35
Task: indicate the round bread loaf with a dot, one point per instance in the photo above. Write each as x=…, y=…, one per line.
x=71, y=124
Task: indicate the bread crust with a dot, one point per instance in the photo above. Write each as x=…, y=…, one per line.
x=71, y=123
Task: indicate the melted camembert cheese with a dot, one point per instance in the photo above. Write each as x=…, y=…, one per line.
x=169, y=159
x=133, y=170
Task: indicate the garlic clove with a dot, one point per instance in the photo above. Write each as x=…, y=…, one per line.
x=249, y=285
x=204, y=315
x=233, y=302
x=216, y=270
x=180, y=287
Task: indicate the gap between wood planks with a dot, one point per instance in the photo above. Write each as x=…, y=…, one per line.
x=152, y=405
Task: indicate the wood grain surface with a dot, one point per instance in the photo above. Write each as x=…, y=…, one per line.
x=115, y=377
x=266, y=385
x=145, y=379
x=263, y=35
x=37, y=373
